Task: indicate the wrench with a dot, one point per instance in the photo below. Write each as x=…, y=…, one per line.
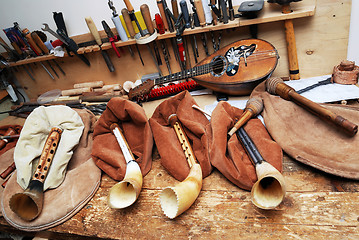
x=53, y=33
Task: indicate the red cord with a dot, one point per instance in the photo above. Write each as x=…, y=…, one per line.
x=172, y=89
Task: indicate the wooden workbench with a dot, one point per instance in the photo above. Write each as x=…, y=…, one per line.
x=317, y=206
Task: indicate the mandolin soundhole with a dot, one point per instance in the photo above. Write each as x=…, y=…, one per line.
x=218, y=66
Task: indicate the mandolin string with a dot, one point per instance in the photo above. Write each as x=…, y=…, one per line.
x=206, y=68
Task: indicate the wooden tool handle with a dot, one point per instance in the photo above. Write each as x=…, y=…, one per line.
x=127, y=19
x=145, y=11
x=3, y=42
x=93, y=29
x=200, y=12
x=16, y=47
x=128, y=5
x=175, y=8
x=163, y=14
x=214, y=16
x=31, y=41
x=39, y=42
x=47, y=154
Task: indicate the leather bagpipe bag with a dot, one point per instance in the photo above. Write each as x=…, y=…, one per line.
x=229, y=156
x=309, y=139
x=5, y=162
x=73, y=178
x=196, y=127
x=133, y=121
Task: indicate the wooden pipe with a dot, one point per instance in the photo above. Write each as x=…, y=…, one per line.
x=276, y=85
x=253, y=107
x=28, y=205
x=176, y=200
x=126, y=192
x=8, y=171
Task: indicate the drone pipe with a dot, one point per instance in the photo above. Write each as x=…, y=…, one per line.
x=276, y=85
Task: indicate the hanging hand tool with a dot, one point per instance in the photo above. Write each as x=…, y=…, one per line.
x=163, y=14
x=28, y=73
x=111, y=37
x=175, y=8
x=119, y=27
x=212, y=4
x=39, y=43
x=204, y=43
x=52, y=68
x=207, y=11
x=145, y=11
x=48, y=72
x=230, y=10
x=131, y=31
x=161, y=30
x=185, y=14
x=147, y=18
x=131, y=12
x=117, y=21
x=71, y=45
x=169, y=16
x=93, y=29
x=63, y=72
x=60, y=22
x=30, y=41
x=200, y=12
x=224, y=11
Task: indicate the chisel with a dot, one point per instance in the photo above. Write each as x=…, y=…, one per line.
x=93, y=29
x=131, y=31
x=147, y=18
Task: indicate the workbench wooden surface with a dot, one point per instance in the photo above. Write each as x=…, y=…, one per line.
x=317, y=206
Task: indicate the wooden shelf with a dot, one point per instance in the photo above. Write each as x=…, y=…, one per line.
x=270, y=13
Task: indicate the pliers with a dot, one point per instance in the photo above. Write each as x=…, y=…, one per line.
x=111, y=37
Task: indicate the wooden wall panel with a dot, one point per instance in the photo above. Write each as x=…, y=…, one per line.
x=321, y=44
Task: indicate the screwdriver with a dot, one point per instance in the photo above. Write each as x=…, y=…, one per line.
x=93, y=29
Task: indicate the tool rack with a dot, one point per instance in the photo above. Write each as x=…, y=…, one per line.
x=317, y=24
x=270, y=13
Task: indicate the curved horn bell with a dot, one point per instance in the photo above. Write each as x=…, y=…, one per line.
x=269, y=191
x=28, y=205
x=176, y=200
x=126, y=192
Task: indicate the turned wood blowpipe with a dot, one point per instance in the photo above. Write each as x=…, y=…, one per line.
x=276, y=85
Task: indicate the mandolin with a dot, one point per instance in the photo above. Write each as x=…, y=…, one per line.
x=234, y=69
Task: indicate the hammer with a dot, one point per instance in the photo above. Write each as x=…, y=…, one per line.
x=290, y=39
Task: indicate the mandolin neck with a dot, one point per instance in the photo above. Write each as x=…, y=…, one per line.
x=189, y=73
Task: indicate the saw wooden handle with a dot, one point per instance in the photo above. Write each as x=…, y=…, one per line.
x=31, y=41
x=93, y=29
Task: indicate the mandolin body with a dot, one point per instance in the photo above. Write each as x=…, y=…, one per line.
x=235, y=69
x=245, y=63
